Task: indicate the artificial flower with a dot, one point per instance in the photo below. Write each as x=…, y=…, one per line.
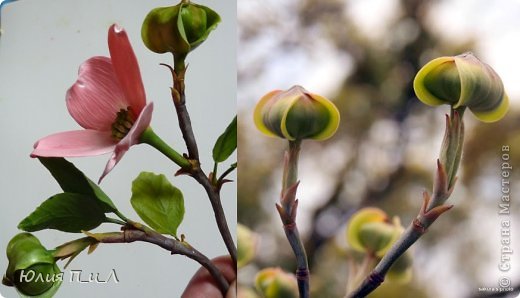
x=108, y=100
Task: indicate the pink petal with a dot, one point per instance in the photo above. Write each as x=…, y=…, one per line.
x=74, y=144
x=126, y=68
x=96, y=97
x=132, y=138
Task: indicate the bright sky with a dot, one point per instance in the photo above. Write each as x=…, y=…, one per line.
x=495, y=27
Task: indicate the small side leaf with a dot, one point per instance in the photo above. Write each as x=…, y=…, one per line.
x=67, y=212
x=226, y=143
x=72, y=180
x=73, y=248
x=157, y=202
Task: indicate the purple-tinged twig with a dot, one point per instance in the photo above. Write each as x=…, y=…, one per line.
x=432, y=207
x=287, y=209
x=137, y=232
x=195, y=171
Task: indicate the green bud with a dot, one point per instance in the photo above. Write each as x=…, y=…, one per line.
x=32, y=269
x=296, y=114
x=376, y=236
x=463, y=81
x=178, y=29
x=246, y=245
x=276, y=283
x=370, y=231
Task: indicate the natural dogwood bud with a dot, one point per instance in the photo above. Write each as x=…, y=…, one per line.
x=463, y=81
x=32, y=269
x=296, y=114
x=246, y=245
x=275, y=283
x=178, y=29
x=370, y=231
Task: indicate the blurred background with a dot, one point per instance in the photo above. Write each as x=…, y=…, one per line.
x=42, y=46
x=363, y=55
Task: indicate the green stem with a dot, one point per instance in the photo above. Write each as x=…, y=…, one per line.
x=451, y=149
x=178, y=60
x=120, y=215
x=449, y=157
x=288, y=216
x=115, y=221
x=149, y=137
x=290, y=174
x=214, y=176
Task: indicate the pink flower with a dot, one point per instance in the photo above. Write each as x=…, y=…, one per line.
x=108, y=101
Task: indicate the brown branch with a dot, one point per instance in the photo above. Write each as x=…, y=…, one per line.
x=179, y=100
x=131, y=234
x=218, y=210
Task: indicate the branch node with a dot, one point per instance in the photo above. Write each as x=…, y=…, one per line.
x=302, y=274
x=419, y=226
x=289, y=226
x=376, y=278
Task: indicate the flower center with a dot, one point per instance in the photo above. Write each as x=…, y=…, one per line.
x=122, y=124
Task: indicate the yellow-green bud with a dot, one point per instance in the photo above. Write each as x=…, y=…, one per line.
x=178, y=29
x=296, y=114
x=463, y=81
x=32, y=269
x=246, y=245
x=370, y=231
x=276, y=283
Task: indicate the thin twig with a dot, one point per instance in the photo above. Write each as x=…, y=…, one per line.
x=433, y=206
x=225, y=173
x=186, y=129
x=287, y=209
x=218, y=210
x=175, y=247
x=196, y=172
x=179, y=100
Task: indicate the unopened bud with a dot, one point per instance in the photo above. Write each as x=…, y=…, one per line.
x=463, y=81
x=32, y=269
x=178, y=29
x=370, y=231
x=276, y=283
x=246, y=245
x=296, y=114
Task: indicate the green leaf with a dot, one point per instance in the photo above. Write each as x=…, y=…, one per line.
x=226, y=143
x=72, y=180
x=67, y=212
x=157, y=202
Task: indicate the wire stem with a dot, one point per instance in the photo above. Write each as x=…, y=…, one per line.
x=179, y=100
x=133, y=234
